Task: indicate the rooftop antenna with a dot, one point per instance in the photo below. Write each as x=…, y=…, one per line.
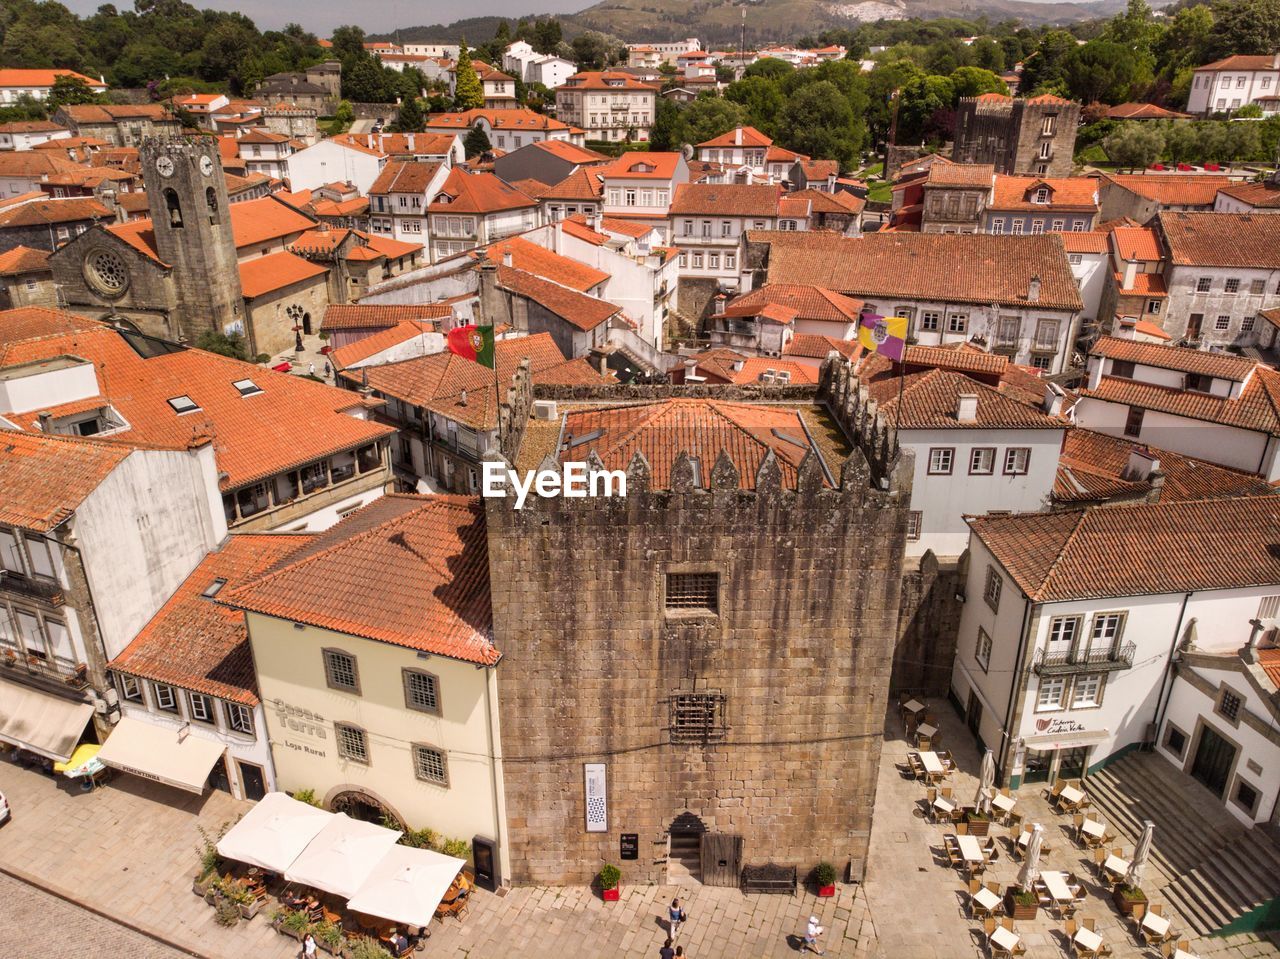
x=742, y=41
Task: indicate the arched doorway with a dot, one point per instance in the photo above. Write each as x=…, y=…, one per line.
x=365, y=806
x=684, y=856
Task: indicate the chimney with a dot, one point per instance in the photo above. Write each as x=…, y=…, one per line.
x=368, y=140
x=411, y=141
x=1130, y=273
x=831, y=182
x=737, y=136
x=1142, y=465
x=1275, y=62
x=462, y=398
x=738, y=365
x=595, y=220
x=1033, y=289
x=966, y=407
x=1053, y=399
x=507, y=259
x=46, y=421
x=493, y=305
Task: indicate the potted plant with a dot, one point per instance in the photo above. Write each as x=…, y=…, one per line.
x=329, y=937
x=239, y=893
x=1126, y=897
x=824, y=877
x=10, y=657
x=295, y=923
x=366, y=948
x=1019, y=904
x=979, y=822
x=610, y=876
x=226, y=912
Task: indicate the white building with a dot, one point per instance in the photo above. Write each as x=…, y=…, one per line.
x=474, y=209
x=550, y=71
x=608, y=105
x=27, y=134
x=1215, y=406
x=332, y=161
x=751, y=155
x=507, y=130
x=666, y=52
x=1089, y=258
x=399, y=198
x=1065, y=651
x=640, y=187
x=265, y=152
x=1229, y=84
x=16, y=84
x=708, y=222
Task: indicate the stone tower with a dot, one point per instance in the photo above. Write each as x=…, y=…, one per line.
x=1034, y=136
x=191, y=216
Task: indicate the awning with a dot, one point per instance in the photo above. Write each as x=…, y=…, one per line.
x=160, y=753
x=407, y=885
x=1066, y=740
x=273, y=833
x=342, y=855
x=41, y=722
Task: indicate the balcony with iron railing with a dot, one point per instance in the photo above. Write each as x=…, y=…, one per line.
x=1045, y=663
x=43, y=671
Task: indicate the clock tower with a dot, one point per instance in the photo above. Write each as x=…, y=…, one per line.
x=192, y=222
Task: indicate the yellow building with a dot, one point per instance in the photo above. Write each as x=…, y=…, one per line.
x=386, y=708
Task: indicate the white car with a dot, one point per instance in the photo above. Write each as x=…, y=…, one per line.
x=4, y=809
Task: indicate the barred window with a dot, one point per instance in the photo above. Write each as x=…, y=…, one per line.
x=1229, y=705
x=697, y=718
x=696, y=591
x=340, y=670
x=429, y=765
x=915, y=519
x=351, y=743
x=421, y=691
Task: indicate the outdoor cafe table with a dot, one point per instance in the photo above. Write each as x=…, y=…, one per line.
x=911, y=706
x=1156, y=925
x=1116, y=865
x=1056, y=884
x=944, y=805
x=1005, y=939
x=1091, y=827
x=1088, y=940
x=1002, y=802
x=924, y=729
x=970, y=849
x=932, y=764
x=987, y=899
x=1183, y=954
x=1071, y=795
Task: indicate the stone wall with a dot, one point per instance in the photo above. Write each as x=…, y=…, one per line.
x=928, y=622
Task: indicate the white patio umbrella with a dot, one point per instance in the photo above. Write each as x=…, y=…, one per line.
x=1140, y=856
x=1030, y=870
x=986, y=780
x=342, y=854
x=406, y=885
x=273, y=833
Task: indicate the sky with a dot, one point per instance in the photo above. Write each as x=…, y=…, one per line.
x=374, y=16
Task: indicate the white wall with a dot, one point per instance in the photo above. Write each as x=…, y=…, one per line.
x=327, y=162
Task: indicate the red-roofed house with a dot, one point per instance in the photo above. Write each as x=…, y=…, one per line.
x=21, y=135
x=641, y=186
x=25, y=279
x=473, y=209
x=746, y=148
x=608, y=105
x=1225, y=86
x=36, y=84
x=399, y=198
x=707, y=223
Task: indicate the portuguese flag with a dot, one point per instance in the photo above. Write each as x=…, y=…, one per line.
x=474, y=343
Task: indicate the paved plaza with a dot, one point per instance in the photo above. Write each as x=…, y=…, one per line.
x=127, y=852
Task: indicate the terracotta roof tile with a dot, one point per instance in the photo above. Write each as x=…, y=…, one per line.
x=1091, y=242
x=571, y=152
x=809, y=302
x=644, y=166
x=275, y=271
x=1117, y=551
x=581, y=184
x=1241, y=61
x=701, y=428
x=997, y=268
x=368, y=346
x=954, y=358
x=930, y=399
x=291, y=422
x=1144, y=284
x=404, y=176
x=584, y=312
x=726, y=199
x=1143, y=111
x=68, y=210
x=425, y=558
x=1262, y=196
x=538, y=260
x=113, y=112
x=820, y=201
x=1092, y=467
x=815, y=346
x=1065, y=193
x=1257, y=408
x=1224, y=365
x=961, y=175
x=23, y=259
x=44, y=478
x=358, y=316
x=1136, y=243
x=742, y=136
x=43, y=78
x=1171, y=189
x=478, y=193
x=1269, y=660
x=1244, y=240
x=512, y=119
x=604, y=80
x=197, y=644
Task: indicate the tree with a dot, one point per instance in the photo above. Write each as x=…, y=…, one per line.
x=1044, y=69
x=224, y=344
x=988, y=55
x=69, y=90
x=771, y=68
x=710, y=117
x=348, y=44
x=1134, y=145
x=667, y=132
x=468, y=94
x=1182, y=142
x=761, y=98
x=1247, y=27
x=345, y=114
x=819, y=122
x=1103, y=71
x=923, y=103
x=882, y=83
x=975, y=81
x=476, y=142
x=409, y=118
x=546, y=35
x=1244, y=141
x=594, y=50
x=1212, y=143
x=1135, y=29
x=365, y=83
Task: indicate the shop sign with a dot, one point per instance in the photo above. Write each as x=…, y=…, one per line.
x=1058, y=727
x=597, y=808
x=300, y=720
x=629, y=848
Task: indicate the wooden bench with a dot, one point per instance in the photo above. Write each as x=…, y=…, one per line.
x=769, y=878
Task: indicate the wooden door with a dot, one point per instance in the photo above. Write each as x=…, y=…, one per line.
x=1214, y=758
x=721, y=859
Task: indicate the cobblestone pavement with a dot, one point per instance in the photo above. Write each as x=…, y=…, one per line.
x=36, y=925
x=918, y=901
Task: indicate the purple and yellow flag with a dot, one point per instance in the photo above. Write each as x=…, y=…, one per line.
x=886, y=335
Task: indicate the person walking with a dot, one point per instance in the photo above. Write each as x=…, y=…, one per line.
x=311, y=369
x=666, y=952
x=811, y=934
x=327, y=372
x=309, y=946
x=675, y=916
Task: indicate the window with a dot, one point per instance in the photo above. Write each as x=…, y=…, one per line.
x=915, y=519
x=697, y=260
x=239, y=718
x=1204, y=284
x=166, y=699
x=1058, y=225
x=1037, y=227
x=1047, y=334
x=1075, y=259
x=1223, y=322
x=341, y=671
x=352, y=743
x=957, y=322
x=697, y=718
x=730, y=261
x=699, y=592
x=1232, y=285
x=1042, y=195
x=941, y=460
x=713, y=261
x=41, y=554
x=1007, y=330
x=997, y=225
x=1063, y=631
x=1247, y=324
x=1051, y=691
x=1229, y=704
x=421, y=691
x=1042, y=361
x=725, y=228
x=429, y=765
x=983, y=652
x=1046, y=129
x=1257, y=286
x=1175, y=740
x=684, y=260
x=1087, y=691
x=1016, y=460
x=1153, y=307
x=929, y=322
x=991, y=593
x=1017, y=228
x=213, y=589
x=982, y=461
x=1107, y=628
x=200, y=707
x=1133, y=421
x=130, y=689
x=1246, y=797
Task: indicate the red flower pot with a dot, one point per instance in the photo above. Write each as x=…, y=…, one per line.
x=611, y=895
x=826, y=892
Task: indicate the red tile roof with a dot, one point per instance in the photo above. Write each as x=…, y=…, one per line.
x=275, y=271
x=564, y=150
x=424, y=557
x=252, y=221
x=961, y=175
x=604, y=80
x=740, y=137
x=726, y=199
x=43, y=78
x=701, y=428
x=581, y=184
x=44, y=478
x=1257, y=408
x=66, y=210
x=113, y=112
x=293, y=421
x=1077, y=193
x=1240, y=61
x=32, y=126
x=513, y=119
x=930, y=399
x=197, y=644
x=997, y=268
x=23, y=259
x=1269, y=660
x=358, y=316
x=808, y=302
x=404, y=176
x=1137, y=243
x=375, y=343
x=538, y=260
x=644, y=166
x=1171, y=189
x=1085, y=242
x=1144, y=284
x=478, y=193
x=820, y=201
x=1243, y=240
x=1224, y=365
x=962, y=358
x=1092, y=467
x=1261, y=196
x=815, y=346
x=1143, y=111
x=582, y=311
x=1118, y=551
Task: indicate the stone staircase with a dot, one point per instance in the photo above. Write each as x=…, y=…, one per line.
x=1217, y=869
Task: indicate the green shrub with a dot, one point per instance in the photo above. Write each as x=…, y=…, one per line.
x=329, y=933
x=307, y=796
x=609, y=876
x=297, y=921
x=458, y=848
x=208, y=849
x=824, y=874
x=226, y=912
x=425, y=838
x=365, y=948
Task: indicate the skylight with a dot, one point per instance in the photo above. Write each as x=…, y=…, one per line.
x=247, y=387
x=183, y=404
x=213, y=588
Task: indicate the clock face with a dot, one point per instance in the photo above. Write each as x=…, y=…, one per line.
x=164, y=166
x=206, y=166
